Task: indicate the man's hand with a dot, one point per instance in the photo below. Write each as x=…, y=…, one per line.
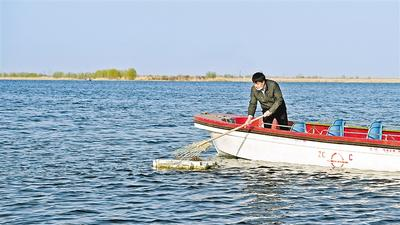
x=267, y=113
x=249, y=118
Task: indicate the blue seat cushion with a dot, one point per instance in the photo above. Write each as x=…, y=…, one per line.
x=337, y=128
x=375, y=131
x=299, y=127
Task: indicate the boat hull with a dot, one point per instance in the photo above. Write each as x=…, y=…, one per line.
x=272, y=148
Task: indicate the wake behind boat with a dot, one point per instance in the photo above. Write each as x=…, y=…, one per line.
x=308, y=143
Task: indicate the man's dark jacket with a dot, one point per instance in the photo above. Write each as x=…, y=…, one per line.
x=271, y=100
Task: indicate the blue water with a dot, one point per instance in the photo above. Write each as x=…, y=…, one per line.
x=79, y=152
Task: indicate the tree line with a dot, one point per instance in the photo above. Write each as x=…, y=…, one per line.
x=129, y=74
x=207, y=77
x=114, y=74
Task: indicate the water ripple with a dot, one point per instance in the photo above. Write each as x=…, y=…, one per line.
x=74, y=152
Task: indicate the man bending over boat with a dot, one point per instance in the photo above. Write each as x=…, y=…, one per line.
x=268, y=93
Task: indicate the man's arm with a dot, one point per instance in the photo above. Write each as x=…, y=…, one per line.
x=252, y=107
x=252, y=104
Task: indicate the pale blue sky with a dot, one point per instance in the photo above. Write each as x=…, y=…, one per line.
x=354, y=38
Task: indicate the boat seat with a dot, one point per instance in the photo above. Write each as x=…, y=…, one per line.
x=298, y=127
x=375, y=130
x=337, y=128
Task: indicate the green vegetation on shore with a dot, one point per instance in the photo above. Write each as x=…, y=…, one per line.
x=130, y=74
x=114, y=74
x=22, y=75
x=111, y=74
x=209, y=76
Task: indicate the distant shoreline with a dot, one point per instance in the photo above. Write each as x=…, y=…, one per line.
x=229, y=79
x=288, y=79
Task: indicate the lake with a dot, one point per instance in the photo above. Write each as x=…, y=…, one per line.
x=80, y=152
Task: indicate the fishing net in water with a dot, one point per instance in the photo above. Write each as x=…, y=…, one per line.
x=192, y=151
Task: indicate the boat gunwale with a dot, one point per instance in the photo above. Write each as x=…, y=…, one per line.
x=390, y=144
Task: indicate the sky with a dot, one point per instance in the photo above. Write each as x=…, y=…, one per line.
x=282, y=38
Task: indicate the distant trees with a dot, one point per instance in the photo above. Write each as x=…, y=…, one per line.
x=112, y=74
x=58, y=75
x=211, y=75
x=26, y=75
x=129, y=74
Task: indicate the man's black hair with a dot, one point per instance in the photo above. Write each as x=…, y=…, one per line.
x=258, y=77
